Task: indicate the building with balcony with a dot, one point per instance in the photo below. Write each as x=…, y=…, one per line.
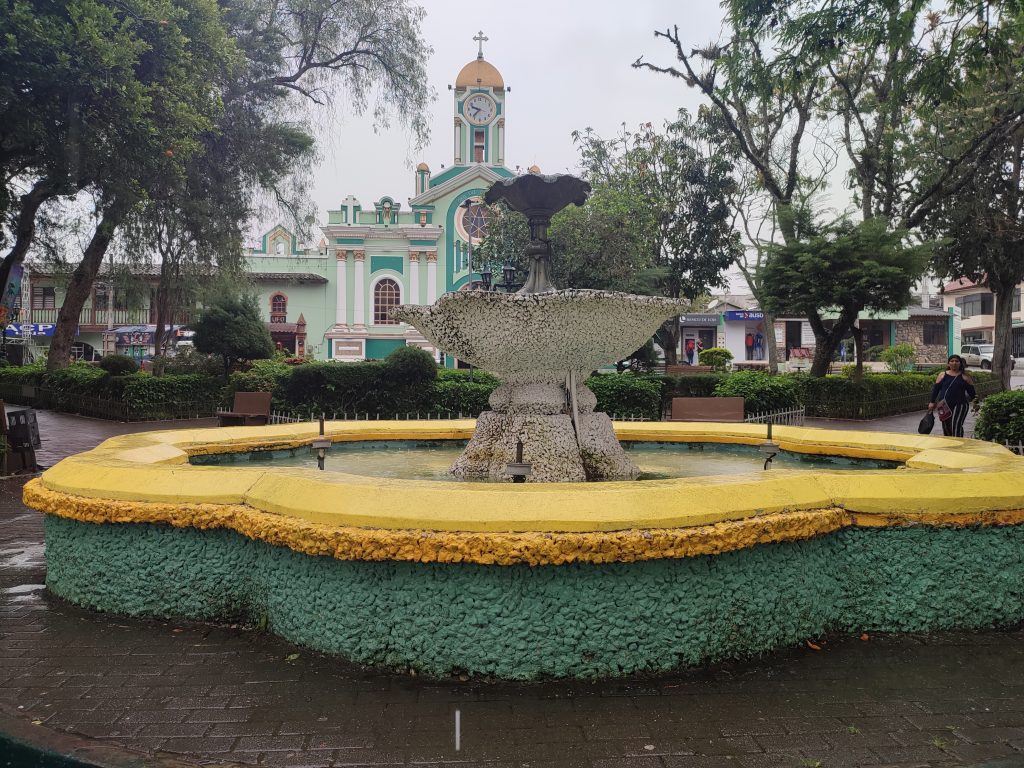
x=975, y=305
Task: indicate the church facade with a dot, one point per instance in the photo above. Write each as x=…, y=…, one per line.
x=333, y=302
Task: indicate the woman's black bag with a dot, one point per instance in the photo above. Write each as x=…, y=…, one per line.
x=927, y=423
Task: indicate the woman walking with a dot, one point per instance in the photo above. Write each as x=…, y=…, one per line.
x=952, y=396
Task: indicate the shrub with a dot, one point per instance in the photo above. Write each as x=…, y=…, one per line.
x=171, y=396
x=187, y=359
x=476, y=375
x=410, y=366
x=325, y=387
x=695, y=385
x=874, y=354
x=761, y=392
x=1002, y=417
x=627, y=395
x=874, y=395
x=459, y=395
x=899, y=358
x=717, y=357
x=119, y=365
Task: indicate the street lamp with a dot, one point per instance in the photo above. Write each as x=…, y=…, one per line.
x=485, y=278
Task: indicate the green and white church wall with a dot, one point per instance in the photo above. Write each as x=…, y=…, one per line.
x=395, y=249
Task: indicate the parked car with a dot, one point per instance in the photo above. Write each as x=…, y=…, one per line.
x=980, y=356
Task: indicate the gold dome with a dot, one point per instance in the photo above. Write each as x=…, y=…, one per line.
x=479, y=73
x=422, y=167
x=533, y=169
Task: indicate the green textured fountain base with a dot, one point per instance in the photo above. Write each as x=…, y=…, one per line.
x=577, y=620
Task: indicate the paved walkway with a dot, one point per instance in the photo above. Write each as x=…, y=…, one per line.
x=205, y=693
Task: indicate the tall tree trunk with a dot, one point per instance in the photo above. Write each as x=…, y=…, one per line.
x=164, y=290
x=858, y=349
x=826, y=341
x=668, y=338
x=25, y=228
x=771, y=343
x=1001, y=354
x=80, y=286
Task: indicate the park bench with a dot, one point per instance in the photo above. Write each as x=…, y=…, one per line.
x=687, y=370
x=707, y=409
x=248, y=410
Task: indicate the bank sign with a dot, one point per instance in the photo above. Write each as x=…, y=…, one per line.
x=738, y=314
x=30, y=329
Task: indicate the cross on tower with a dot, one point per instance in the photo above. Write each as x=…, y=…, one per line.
x=481, y=39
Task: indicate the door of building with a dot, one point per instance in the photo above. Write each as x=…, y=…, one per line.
x=794, y=335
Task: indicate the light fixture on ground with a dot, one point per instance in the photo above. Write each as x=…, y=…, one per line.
x=320, y=446
x=518, y=468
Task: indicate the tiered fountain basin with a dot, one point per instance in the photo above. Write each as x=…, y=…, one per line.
x=528, y=581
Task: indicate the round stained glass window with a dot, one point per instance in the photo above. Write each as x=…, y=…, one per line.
x=473, y=222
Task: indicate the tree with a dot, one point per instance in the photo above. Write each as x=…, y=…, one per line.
x=232, y=328
x=761, y=114
x=674, y=186
x=847, y=269
x=984, y=230
x=160, y=81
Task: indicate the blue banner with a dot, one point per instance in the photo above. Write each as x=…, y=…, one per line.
x=737, y=314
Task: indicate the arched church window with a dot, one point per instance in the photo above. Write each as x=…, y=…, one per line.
x=278, y=308
x=279, y=248
x=386, y=296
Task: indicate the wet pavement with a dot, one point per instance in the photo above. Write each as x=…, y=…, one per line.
x=225, y=693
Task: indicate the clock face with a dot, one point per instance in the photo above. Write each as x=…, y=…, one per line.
x=479, y=109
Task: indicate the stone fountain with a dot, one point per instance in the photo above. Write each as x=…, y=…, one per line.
x=542, y=343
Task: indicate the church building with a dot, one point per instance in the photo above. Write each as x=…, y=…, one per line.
x=333, y=301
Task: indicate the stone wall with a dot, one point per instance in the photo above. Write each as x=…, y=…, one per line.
x=912, y=332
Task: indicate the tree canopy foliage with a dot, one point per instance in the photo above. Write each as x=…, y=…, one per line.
x=232, y=329
x=839, y=273
x=175, y=116
x=796, y=83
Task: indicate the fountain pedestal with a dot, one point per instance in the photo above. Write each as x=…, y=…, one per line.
x=560, y=446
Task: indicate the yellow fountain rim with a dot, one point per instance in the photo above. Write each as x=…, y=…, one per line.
x=146, y=477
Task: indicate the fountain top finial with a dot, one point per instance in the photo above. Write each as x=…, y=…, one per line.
x=536, y=194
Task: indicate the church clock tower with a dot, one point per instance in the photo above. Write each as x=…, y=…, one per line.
x=480, y=112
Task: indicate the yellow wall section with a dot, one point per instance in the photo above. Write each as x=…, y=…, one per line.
x=146, y=478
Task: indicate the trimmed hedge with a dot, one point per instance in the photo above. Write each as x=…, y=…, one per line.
x=761, y=392
x=626, y=394
x=1002, y=418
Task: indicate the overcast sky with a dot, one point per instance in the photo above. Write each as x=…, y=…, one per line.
x=568, y=65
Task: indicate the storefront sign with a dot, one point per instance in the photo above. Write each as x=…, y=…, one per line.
x=692, y=320
x=743, y=315
x=133, y=338
x=31, y=329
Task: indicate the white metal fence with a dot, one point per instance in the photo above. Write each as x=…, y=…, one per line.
x=791, y=418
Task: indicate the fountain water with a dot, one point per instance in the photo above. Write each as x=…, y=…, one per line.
x=542, y=343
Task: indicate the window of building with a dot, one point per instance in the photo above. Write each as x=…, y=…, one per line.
x=478, y=145
x=935, y=332
x=278, y=308
x=1016, y=300
x=976, y=304
x=44, y=297
x=386, y=296
x=100, y=298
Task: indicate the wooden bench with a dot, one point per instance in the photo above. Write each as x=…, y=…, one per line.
x=707, y=409
x=687, y=370
x=250, y=409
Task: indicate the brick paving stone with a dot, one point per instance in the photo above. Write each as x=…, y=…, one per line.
x=225, y=693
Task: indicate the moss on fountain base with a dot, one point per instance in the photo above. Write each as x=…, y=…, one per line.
x=522, y=622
